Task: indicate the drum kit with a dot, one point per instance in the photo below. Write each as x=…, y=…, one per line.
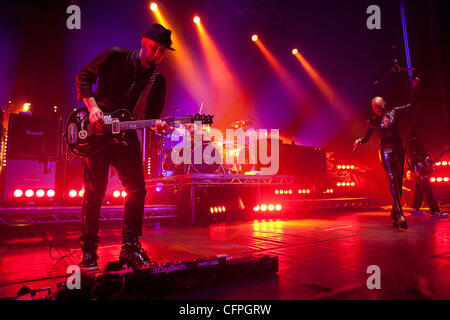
x=160, y=146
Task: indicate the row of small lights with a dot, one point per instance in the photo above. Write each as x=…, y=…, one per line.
x=219, y=209
x=443, y=163
x=346, y=184
x=18, y=193
x=300, y=191
x=345, y=167
x=329, y=191
x=267, y=207
x=439, y=179
x=117, y=194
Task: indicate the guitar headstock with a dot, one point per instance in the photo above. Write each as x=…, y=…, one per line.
x=203, y=118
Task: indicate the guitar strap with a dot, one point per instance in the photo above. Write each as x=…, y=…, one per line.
x=141, y=104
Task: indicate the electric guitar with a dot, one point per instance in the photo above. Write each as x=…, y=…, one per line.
x=85, y=139
x=424, y=168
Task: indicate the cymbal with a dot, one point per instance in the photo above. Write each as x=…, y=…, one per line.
x=242, y=124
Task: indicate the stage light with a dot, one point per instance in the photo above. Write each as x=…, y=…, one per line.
x=18, y=193
x=216, y=210
x=40, y=193
x=446, y=179
x=263, y=207
x=51, y=193
x=254, y=37
x=153, y=6
x=438, y=163
x=116, y=193
x=196, y=19
x=339, y=167
x=73, y=193
x=352, y=184
x=256, y=208
x=294, y=51
x=290, y=191
x=29, y=193
x=278, y=207
x=277, y=192
x=211, y=210
x=439, y=179
x=444, y=163
x=27, y=107
x=81, y=193
x=308, y=191
x=433, y=179
x=338, y=184
x=352, y=167
x=224, y=209
x=124, y=194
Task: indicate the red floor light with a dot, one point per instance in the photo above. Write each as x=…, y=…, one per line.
x=18, y=193
x=40, y=193
x=73, y=193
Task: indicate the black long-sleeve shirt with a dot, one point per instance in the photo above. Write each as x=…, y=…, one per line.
x=387, y=124
x=121, y=79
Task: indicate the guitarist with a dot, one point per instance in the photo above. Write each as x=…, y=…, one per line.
x=126, y=79
x=419, y=162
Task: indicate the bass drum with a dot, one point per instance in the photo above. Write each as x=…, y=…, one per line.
x=208, y=155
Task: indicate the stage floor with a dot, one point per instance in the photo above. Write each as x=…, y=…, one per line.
x=324, y=255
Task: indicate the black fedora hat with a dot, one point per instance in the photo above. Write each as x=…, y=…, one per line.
x=159, y=34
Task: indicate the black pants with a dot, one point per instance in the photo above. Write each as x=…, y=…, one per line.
x=392, y=157
x=127, y=160
x=423, y=187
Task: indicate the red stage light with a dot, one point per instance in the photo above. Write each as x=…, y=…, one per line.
x=254, y=37
x=73, y=193
x=116, y=193
x=271, y=207
x=224, y=209
x=153, y=6
x=294, y=51
x=18, y=193
x=439, y=179
x=353, y=184
x=256, y=208
x=433, y=179
x=444, y=163
x=29, y=193
x=124, y=194
x=51, y=193
x=446, y=179
x=40, y=193
x=438, y=164
x=211, y=210
x=339, y=167
x=263, y=207
x=278, y=207
x=196, y=19
x=81, y=193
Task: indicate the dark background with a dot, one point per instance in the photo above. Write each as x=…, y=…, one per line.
x=40, y=58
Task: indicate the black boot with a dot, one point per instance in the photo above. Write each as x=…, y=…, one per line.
x=133, y=255
x=394, y=218
x=89, y=256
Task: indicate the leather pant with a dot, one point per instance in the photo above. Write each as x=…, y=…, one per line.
x=392, y=157
x=127, y=160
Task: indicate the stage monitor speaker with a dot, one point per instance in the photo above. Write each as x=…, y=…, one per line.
x=302, y=160
x=28, y=174
x=31, y=137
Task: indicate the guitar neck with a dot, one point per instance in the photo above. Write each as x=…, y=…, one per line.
x=138, y=124
x=141, y=124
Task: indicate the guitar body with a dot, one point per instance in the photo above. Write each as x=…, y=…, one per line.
x=84, y=139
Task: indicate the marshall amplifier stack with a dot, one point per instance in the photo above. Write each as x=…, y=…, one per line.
x=30, y=159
